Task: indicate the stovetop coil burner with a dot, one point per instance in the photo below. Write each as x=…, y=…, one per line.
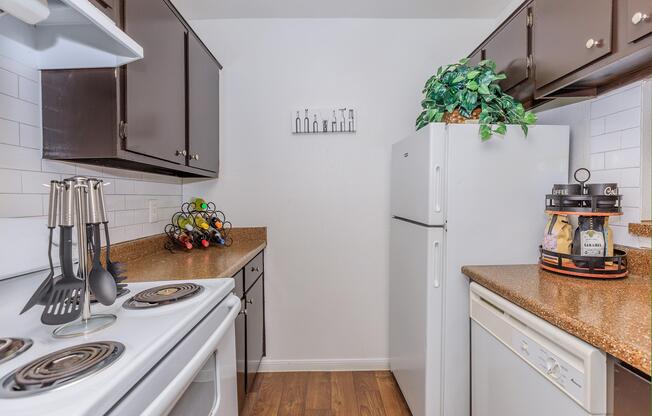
x=12, y=347
x=163, y=295
x=60, y=368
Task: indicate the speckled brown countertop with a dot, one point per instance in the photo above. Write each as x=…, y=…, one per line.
x=156, y=263
x=612, y=315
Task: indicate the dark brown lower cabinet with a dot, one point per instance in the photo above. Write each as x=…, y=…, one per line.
x=250, y=325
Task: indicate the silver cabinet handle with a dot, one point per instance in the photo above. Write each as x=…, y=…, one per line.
x=243, y=312
x=250, y=301
x=639, y=17
x=195, y=156
x=180, y=153
x=592, y=43
x=255, y=269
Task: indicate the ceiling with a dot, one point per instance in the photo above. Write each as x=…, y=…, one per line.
x=215, y=9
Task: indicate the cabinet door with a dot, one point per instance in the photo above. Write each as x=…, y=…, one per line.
x=569, y=34
x=156, y=84
x=639, y=19
x=255, y=323
x=509, y=49
x=203, y=107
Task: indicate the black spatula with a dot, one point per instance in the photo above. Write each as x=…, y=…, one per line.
x=67, y=294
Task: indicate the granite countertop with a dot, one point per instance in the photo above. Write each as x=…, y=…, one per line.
x=612, y=315
x=147, y=260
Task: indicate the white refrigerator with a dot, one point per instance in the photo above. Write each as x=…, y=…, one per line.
x=455, y=201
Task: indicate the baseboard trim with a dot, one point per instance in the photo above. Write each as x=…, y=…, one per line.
x=344, y=364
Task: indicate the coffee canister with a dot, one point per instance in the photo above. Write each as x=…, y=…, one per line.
x=606, y=189
x=561, y=190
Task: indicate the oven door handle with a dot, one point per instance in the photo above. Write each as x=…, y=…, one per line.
x=169, y=396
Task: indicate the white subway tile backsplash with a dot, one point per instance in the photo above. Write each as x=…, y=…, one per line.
x=12, y=108
x=10, y=182
x=23, y=158
x=9, y=132
x=8, y=83
x=623, y=120
x=28, y=90
x=124, y=218
x=625, y=158
x=23, y=172
x=630, y=138
x=630, y=178
x=596, y=126
x=597, y=161
x=631, y=197
x=114, y=202
x=605, y=142
x=625, y=99
x=56, y=166
x=33, y=182
x=30, y=136
x=21, y=205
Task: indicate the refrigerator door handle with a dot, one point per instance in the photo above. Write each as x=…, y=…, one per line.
x=437, y=262
x=438, y=187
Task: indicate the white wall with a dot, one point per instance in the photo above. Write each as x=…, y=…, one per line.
x=606, y=138
x=324, y=198
x=23, y=198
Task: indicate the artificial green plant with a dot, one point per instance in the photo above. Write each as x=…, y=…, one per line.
x=469, y=87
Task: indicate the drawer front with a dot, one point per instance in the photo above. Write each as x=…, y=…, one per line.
x=252, y=270
x=639, y=19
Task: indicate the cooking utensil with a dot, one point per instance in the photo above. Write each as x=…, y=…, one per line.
x=67, y=294
x=46, y=285
x=117, y=269
x=103, y=285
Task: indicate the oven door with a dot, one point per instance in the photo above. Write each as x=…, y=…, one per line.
x=197, y=377
x=213, y=389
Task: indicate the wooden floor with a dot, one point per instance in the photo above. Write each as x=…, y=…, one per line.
x=346, y=393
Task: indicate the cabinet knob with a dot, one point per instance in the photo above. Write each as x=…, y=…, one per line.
x=592, y=43
x=250, y=301
x=180, y=153
x=195, y=156
x=255, y=269
x=639, y=17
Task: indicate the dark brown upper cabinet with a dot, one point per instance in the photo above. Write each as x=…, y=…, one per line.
x=159, y=114
x=155, y=85
x=509, y=49
x=203, y=107
x=565, y=37
x=560, y=51
x=639, y=13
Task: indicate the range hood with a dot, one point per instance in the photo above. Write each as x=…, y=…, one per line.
x=76, y=34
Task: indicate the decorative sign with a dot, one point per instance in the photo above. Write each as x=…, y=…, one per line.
x=338, y=120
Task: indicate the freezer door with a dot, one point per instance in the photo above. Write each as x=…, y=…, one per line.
x=416, y=282
x=419, y=176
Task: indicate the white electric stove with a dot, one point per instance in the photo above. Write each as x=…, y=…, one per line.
x=176, y=358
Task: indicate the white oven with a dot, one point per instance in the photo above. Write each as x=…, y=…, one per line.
x=197, y=377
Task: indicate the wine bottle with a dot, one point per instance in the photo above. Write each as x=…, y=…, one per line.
x=215, y=223
x=199, y=239
x=216, y=236
x=183, y=240
x=201, y=222
x=199, y=203
x=182, y=222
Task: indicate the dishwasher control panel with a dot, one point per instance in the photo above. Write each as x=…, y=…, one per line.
x=560, y=372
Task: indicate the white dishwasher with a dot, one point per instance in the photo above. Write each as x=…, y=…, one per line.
x=522, y=365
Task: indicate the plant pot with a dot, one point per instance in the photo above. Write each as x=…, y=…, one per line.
x=455, y=117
